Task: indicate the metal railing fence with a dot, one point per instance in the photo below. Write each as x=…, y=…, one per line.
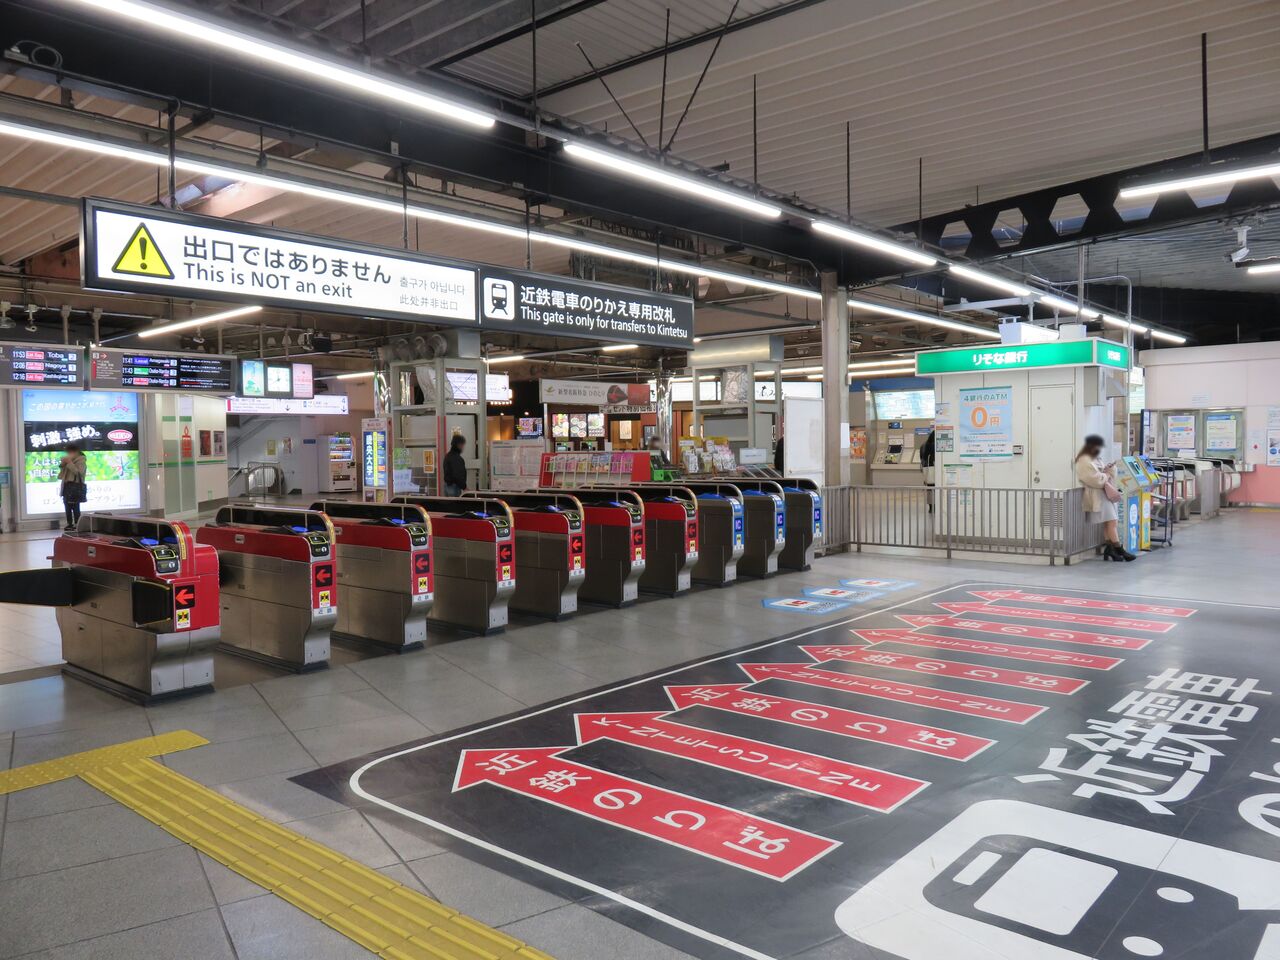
x=837, y=519
x=1009, y=521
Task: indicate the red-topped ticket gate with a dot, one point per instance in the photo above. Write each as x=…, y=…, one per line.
x=385, y=573
x=670, y=537
x=613, y=525
x=475, y=561
x=550, y=550
x=279, y=583
x=137, y=603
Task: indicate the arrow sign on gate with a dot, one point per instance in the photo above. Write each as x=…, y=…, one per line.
x=729, y=836
x=185, y=597
x=324, y=575
x=421, y=563
x=1032, y=633
x=1123, y=623
x=797, y=769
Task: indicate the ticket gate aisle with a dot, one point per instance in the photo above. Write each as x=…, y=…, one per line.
x=764, y=516
x=279, y=583
x=137, y=603
x=670, y=537
x=384, y=573
x=721, y=532
x=550, y=551
x=803, y=505
x=613, y=528
x=474, y=552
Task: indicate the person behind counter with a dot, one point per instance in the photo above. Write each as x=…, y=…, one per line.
x=657, y=454
x=1101, y=495
x=75, y=490
x=454, y=468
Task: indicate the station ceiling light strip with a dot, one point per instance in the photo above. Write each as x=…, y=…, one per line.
x=990, y=280
x=924, y=318
x=197, y=321
x=1259, y=172
x=679, y=183
x=278, y=56
x=1263, y=268
x=869, y=241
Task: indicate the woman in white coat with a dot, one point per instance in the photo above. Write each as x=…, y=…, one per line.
x=1098, y=481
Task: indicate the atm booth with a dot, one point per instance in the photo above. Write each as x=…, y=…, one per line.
x=137, y=603
x=550, y=551
x=613, y=528
x=670, y=535
x=279, y=583
x=475, y=561
x=384, y=572
x=803, y=504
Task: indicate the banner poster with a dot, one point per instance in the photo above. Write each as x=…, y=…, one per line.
x=985, y=427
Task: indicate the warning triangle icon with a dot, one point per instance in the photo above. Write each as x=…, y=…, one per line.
x=141, y=257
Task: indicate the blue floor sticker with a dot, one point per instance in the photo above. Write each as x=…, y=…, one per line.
x=871, y=583
x=808, y=605
x=845, y=594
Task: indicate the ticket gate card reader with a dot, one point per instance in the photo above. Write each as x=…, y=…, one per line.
x=279, y=583
x=803, y=518
x=613, y=525
x=474, y=549
x=550, y=551
x=721, y=532
x=137, y=603
x=670, y=535
x=384, y=573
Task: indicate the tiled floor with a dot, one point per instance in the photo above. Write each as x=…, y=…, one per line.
x=81, y=877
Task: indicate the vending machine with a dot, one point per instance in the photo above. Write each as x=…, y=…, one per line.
x=338, y=464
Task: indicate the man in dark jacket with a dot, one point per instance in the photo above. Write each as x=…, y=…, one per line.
x=454, y=468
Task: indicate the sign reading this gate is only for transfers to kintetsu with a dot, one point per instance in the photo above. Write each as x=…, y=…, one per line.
x=985, y=427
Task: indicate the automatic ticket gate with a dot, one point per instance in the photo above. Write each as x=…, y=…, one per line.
x=279, y=583
x=721, y=532
x=550, y=551
x=384, y=573
x=804, y=518
x=613, y=527
x=137, y=603
x=764, y=515
x=670, y=535
x=475, y=561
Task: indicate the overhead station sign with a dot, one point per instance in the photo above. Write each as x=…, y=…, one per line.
x=142, y=249
x=138, y=370
x=1024, y=356
x=41, y=365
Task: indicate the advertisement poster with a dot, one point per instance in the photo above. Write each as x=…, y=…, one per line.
x=1220, y=431
x=944, y=440
x=1180, y=431
x=858, y=443
x=609, y=397
x=206, y=443
x=1273, y=436
x=103, y=425
x=985, y=423
x=375, y=453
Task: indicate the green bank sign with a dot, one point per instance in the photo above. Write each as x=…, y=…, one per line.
x=1024, y=356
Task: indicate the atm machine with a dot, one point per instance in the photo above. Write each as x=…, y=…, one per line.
x=279, y=583
x=895, y=461
x=137, y=603
x=384, y=571
x=613, y=527
x=475, y=561
x=550, y=551
x=670, y=535
x=803, y=505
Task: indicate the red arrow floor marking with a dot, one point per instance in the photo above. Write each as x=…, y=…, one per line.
x=734, y=698
x=937, y=667
x=1124, y=623
x=1010, y=711
x=989, y=648
x=1031, y=633
x=1083, y=603
x=730, y=836
x=798, y=769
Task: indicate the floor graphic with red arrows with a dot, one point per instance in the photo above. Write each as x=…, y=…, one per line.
x=728, y=805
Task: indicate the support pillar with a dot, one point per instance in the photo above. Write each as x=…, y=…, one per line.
x=835, y=381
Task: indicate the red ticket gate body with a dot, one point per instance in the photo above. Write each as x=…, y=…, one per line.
x=385, y=572
x=279, y=583
x=670, y=537
x=475, y=561
x=613, y=525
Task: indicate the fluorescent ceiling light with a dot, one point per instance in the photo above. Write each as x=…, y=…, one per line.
x=867, y=374
x=509, y=358
x=873, y=364
x=1202, y=180
x=196, y=322
x=990, y=280
x=1089, y=313
x=924, y=318
x=278, y=56
x=355, y=376
x=1051, y=300
x=861, y=239
x=1171, y=337
x=1264, y=268
x=1111, y=321
x=336, y=195
x=619, y=347
x=702, y=189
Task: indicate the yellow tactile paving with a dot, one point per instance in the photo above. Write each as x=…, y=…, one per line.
x=75, y=764
x=379, y=914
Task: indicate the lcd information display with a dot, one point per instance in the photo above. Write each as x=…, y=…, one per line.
x=595, y=424
x=529, y=428
x=37, y=365
x=904, y=404
x=253, y=378
x=560, y=426
x=303, y=381
x=188, y=373
x=279, y=380
x=464, y=384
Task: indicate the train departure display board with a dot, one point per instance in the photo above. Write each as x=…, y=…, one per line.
x=41, y=365
x=135, y=370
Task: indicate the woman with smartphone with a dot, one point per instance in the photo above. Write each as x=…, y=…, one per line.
x=1101, y=495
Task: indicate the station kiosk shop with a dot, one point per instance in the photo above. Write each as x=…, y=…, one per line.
x=1010, y=419
x=587, y=415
